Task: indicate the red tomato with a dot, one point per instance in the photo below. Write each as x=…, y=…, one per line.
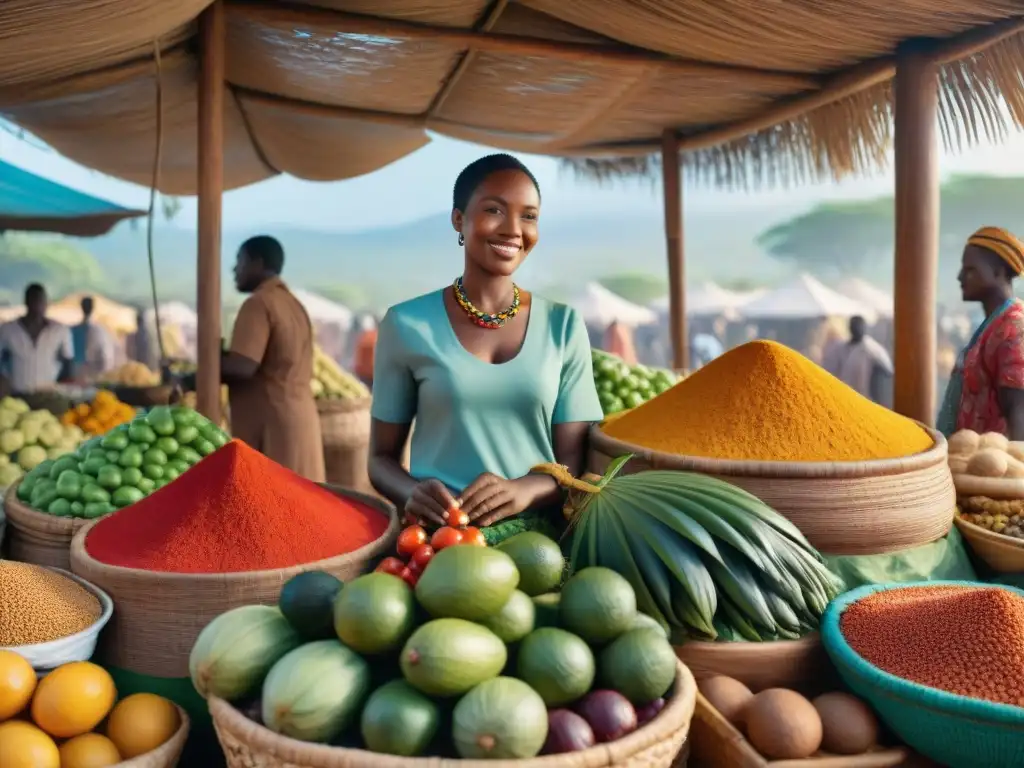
x=445, y=537
x=457, y=518
x=390, y=565
x=422, y=556
x=415, y=568
x=409, y=577
x=411, y=539
x=474, y=536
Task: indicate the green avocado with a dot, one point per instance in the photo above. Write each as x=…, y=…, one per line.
x=399, y=720
x=307, y=601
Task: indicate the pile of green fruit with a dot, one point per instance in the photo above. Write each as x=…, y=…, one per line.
x=28, y=438
x=482, y=659
x=123, y=466
x=621, y=386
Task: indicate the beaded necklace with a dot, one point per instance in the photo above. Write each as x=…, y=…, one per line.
x=485, y=319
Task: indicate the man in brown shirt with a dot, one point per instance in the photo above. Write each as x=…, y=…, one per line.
x=269, y=366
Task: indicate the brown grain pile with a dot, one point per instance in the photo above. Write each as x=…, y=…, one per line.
x=38, y=605
x=964, y=640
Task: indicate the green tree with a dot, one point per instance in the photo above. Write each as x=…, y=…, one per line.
x=58, y=264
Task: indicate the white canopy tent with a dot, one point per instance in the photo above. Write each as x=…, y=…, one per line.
x=866, y=293
x=804, y=298
x=600, y=307
x=323, y=310
x=711, y=300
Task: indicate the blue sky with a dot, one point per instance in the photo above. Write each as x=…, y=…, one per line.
x=424, y=181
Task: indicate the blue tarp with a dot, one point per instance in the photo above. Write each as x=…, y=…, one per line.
x=32, y=203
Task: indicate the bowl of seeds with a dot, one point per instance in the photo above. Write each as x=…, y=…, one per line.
x=49, y=615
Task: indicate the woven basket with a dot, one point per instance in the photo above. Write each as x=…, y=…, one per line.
x=143, y=397
x=36, y=537
x=167, y=754
x=801, y=665
x=716, y=743
x=843, y=508
x=1003, y=554
x=345, y=429
x=656, y=745
x=953, y=730
x=158, y=616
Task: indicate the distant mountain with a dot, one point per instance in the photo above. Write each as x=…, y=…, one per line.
x=386, y=265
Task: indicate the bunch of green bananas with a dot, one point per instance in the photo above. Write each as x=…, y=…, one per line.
x=706, y=558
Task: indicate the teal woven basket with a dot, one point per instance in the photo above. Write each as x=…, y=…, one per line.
x=952, y=730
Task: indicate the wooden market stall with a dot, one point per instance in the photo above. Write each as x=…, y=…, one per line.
x=200, y=96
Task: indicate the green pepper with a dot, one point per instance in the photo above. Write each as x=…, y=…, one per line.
x=90, y=444
x=168, y=445
x=131, y=476
x=154, y=456
x=96, y=453
x=183, y=416
x=28, y=482
x=59, y=508
x=112, y=457
x=92, y=494
x=171, y=473
x=44, y=494
x=161, y=420
x=97, y=509
x=61, y=464
x=109, y=477
x=153, y=471
x=77, y=509
x=177, y=465
x=185, y=434
x=131, y=457
x=116, y=440
x=140, y=432
x=69, y=484
x=92, y=466
x=215, y=435
x=188, y=455
x=44, y=467
x=146, y=485
x=204, y=446
x=126, y=495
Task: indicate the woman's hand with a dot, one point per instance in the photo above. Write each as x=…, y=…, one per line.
x=430, y=500
x=490, y=498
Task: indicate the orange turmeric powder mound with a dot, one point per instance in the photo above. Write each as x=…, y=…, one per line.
x=763, y=401
x=964, y=640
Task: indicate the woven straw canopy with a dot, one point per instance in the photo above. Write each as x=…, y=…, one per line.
x=331, y=89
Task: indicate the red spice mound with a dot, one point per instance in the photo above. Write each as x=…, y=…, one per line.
x=964, y=640
x=236, y=510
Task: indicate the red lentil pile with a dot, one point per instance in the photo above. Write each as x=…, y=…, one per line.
x=964, y=640
x=236, y=510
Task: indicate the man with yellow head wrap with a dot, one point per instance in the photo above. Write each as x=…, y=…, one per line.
x=986, y=390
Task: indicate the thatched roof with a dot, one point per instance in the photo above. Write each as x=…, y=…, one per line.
x=756, y=90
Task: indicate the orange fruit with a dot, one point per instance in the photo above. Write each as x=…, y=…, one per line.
x=73, y=699
x=17, y=684
x=90, y=750
x=142, y=722
x=22, y=745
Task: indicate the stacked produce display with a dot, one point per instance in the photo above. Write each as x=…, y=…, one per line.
x=72, y=717
x=99, y=416
x=621, y=386
x=121, y=467
x=332, y=382
x=465, y=664
x=28, y=438
x=131, y=374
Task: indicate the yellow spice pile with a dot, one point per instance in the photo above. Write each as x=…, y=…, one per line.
x=38, y=605
x=764, y=401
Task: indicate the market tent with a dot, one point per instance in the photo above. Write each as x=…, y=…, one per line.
x=866, y=293
x=177, y=313
x=804, y=298
x=34, y=204
x=710, y=299
x=600, y=308
x=323, y=310
x=116, y=318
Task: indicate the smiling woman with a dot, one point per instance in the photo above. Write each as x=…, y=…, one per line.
x=498, y=379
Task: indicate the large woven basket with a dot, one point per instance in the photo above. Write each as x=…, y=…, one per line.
x=1003, y=554
x=656, y=745
x=843, y=508
x=157, y=616
x=345, y=430
x=953, y=730
x=167, y=754
x=36, y=537
x=801, y=665
x=143, y=397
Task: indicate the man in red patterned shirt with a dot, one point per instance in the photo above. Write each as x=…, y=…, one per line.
x=986, y=392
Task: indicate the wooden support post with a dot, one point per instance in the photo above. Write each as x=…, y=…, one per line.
x=917, y=231
x=672, y=183
x=210, y=161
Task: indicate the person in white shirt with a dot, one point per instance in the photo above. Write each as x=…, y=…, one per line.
x=94, y=347
x=35, y=348
x=862, y=363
